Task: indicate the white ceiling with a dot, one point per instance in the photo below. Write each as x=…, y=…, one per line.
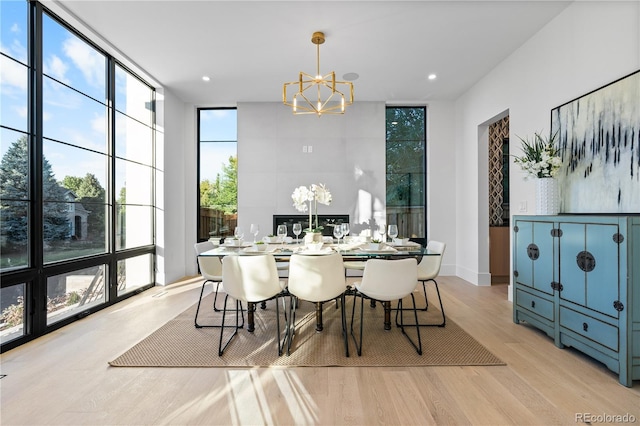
x=250, y=48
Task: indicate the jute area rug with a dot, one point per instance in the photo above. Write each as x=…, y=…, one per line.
x=179, y=344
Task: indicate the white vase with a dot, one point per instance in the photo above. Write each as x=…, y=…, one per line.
x=312, y=237
x=547, y=196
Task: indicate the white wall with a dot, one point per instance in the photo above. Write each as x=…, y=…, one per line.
x=174, y=259
x=588, y=45
x=348, y=156
x=441, y=181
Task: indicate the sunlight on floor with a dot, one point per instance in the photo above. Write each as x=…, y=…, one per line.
x=249, y=403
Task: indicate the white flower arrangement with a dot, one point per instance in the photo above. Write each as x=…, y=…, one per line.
x=540, y=159
x=316, y=194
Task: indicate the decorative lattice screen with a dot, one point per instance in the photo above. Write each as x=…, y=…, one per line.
x=497, y=132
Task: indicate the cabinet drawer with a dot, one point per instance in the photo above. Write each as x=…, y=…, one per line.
x=591, y=328
x=535, y=304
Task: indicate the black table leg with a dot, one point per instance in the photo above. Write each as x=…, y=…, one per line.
x=387, y=315
x=251, y=308
x=319, y=326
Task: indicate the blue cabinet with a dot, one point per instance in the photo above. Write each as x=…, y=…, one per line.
x=577, y=278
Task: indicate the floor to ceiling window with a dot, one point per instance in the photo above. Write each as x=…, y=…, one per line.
x=217, y=172
x=406, y=170
x=76, y=176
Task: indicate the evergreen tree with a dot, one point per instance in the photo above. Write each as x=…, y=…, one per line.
x=91, y=195
x=227, y=194
x=223, y=193
x=14, y=192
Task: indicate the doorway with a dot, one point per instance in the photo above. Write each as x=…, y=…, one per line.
x=499, y=230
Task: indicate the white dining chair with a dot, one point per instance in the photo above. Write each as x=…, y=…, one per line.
x=384, y=281
x=428, y=270
x=211, y=270
x=316, y=279
x=250, y=279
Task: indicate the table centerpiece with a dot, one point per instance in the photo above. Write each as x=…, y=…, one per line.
x=315, y=193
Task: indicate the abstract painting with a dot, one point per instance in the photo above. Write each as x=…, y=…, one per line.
x=599, y=139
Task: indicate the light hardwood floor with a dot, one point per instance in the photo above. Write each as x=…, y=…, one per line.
x=64, y=379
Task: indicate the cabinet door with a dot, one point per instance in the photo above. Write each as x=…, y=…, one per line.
x=589, y=268
x=534, y=254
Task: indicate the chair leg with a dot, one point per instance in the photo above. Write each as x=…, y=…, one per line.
x=195, y=320
x=291, y=324
x=440, y=324
x=444, y=320
x=418, y=347
x=215, y=298
x=344, y=324
x=426, y=302
x=358, y=344
x=222, y=326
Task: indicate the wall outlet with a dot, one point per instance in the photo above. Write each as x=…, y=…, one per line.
x=304, y=148
x=310, y=149
x=522, y=207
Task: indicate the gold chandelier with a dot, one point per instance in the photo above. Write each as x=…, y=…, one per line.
x=312, y=90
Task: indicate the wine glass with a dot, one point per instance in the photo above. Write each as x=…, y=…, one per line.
x=297, y=229
x=255, y=230
x=238, y=232
x=393, y=231
x=382, y=229
x=345, y=230
x=337, y=232
x=282, y=233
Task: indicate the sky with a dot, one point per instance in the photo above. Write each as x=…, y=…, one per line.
x=80, y=119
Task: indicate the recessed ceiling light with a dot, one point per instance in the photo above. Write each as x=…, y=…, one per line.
x=205, y=78
x=432, y=76
x=350, y=76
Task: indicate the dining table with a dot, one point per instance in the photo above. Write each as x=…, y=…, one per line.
x=352, y=250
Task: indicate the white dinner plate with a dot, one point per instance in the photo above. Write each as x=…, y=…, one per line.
x=243, y=245
x=251, y=250
x=386, y=250
x=320, y=252
x=409, y=244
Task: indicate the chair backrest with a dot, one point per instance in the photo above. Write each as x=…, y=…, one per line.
x=210, y=266
x=316, y=278
x=429, y=266
x=389, y=279
x=251, y=278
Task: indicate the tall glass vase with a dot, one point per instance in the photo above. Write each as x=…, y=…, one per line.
x=547, y=196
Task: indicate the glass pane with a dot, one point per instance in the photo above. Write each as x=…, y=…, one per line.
x=134, y=273
x=218, y=125
x=73, y=118
x=134, y=140
x=74, y=292
x=14, y=166
x=134, y=226
x=72, y=61
x=69, y=232
x=14, y=234
x=14, y=30
x=406, y=123
x=405, y=162
x=133, y=183
x=12, y=314
x=218, y=171
x=214, y=160
x=13, y=93
x=133, y=97
x=73, y=174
